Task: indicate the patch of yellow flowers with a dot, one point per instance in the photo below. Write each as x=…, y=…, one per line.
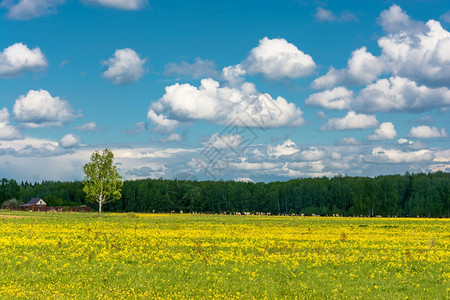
x=152, y=256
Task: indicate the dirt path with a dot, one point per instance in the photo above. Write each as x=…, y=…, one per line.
x=9, y=216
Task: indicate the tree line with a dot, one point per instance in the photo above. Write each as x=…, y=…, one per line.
x=388, y=195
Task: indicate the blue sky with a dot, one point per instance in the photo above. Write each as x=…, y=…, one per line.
x=234, y=90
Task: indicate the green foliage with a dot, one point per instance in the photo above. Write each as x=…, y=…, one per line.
x=389, y=195
x=102, y=183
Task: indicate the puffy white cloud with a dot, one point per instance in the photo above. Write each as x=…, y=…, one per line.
x=30, y=9
x=174, y=137
x=326, y=15
x=233, y=75
x=18, y=58
x=362, y=68
x=243, y=179
x=395, y=19
x=183, y=103
x=40, y=109
x=401, y=94
x=386, y=131
x=352, y=120
x=119, y=4
x=276, y=59
x=124, y=67
x=422, y=55
x=199, y=69
x=69, y=141
x=426, y=132
x=224, y=141
x=87, y=127
x=337, y=98
x=287, y=148
x=349, y=141
x=396, y=156
x=411, y=49
x=7, y=131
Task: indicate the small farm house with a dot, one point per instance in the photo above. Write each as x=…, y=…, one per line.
x=35, y=202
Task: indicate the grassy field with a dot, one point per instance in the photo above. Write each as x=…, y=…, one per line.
x=76, y=255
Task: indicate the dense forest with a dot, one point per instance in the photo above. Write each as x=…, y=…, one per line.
x=391, y=195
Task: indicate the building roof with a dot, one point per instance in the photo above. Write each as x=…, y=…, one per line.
x=32, y=202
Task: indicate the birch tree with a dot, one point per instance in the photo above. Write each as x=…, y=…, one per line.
x=102, y=183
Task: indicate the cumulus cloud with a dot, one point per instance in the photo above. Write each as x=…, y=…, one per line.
x=225, y=141
x=326, y=15
x=421, y=55
x=287, y=148
x=243, y=105
x=276, y=59
x=395, y=19
x=337, y=98
x=30, y=9
x=351, y=121
x=426, y=132
x=349, y=140
x=362, y=68
x=401, y=94
x=69, y=141
x=18, y=58
x=396, y=156
x=199, y=69
x=87, y=127
x=174, y=137
x=386, y=131
x=244, y=179
x=7, y=131
x=411, y=49
x=124, y=67
x=119, y=4
x=40, y=109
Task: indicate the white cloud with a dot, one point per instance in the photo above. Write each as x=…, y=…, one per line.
x=184, y=103
x=349, y=141
x=325, y=15
x=30, y=9
x=125, y=67
x=69, y=141
x=395, y=19
x=337, y=98
x=362, y=68
x=199, y=69
x=422, y=55
x=7, y=131
x=276, y=59
x=351, y=121
x=411, y=49
x=233, y=75
x=426, y=132
x=386, y=131
x=18, y=58
x=120, y=4
x=401, y=94
x=243, y=179
x=224, y=141
x=174, y=137
x=395, y=156
x=40, y=109
x=87, y=127
x=287, y=148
